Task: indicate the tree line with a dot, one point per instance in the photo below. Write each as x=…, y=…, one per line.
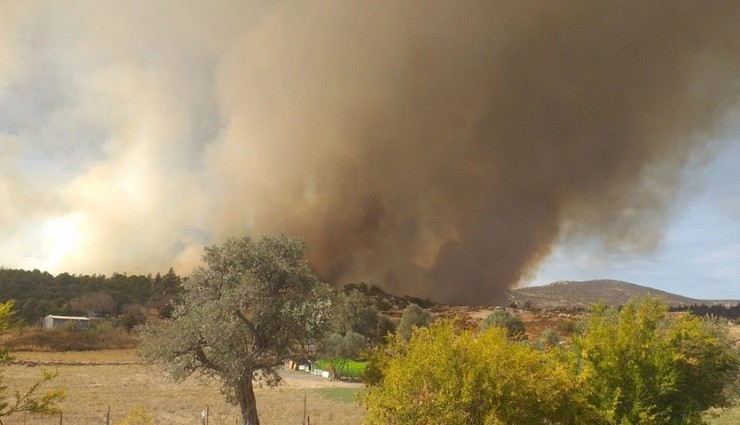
x=37, y=294
x=715, y=310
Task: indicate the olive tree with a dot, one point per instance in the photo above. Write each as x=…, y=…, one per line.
x=413, y=317
x=248, y=308
x=357, y=313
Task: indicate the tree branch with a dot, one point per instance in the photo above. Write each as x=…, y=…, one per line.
x=259, y=342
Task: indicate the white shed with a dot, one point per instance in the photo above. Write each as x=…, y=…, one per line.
x=56, y=322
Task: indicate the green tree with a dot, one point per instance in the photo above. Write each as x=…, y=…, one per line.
x=251, y=306
x=501, y=318
x=34, y=400
x=358, y=314
x=166, y=289
x=446, y=376
x=413, y=317
x=642, y=365
x=342, y=348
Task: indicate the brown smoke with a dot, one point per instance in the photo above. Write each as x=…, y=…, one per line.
x=436, y=148
x=440, y=148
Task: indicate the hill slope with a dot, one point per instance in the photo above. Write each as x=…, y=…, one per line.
x=570, y=294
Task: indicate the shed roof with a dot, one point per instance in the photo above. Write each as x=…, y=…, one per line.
x=68, y=317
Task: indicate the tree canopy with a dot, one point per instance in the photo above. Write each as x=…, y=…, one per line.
x=357, y=313
x=642, y=365
x=252, y=305
x=446, y=376
x=37, y=294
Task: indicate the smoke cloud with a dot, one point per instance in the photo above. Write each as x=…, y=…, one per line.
x=436, y=148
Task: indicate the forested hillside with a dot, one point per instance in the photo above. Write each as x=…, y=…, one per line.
x=38, y=293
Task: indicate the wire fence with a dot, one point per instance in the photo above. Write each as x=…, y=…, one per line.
x=204, y=417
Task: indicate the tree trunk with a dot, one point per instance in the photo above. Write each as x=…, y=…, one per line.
x=248, y=403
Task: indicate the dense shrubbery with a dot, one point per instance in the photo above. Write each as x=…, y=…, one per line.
x=638, y=365
x=445, y=376
x=642, y=365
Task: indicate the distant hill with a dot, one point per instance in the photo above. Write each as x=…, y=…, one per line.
x=573, y=294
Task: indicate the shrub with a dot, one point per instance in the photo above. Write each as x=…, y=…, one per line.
x=549, y=338
x=413, y=317
x=137, y=416
x=513, y=325
x=442, y=376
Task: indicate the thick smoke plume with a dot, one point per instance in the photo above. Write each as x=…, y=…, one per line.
x=437, y=148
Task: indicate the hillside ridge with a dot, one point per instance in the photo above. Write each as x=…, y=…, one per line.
x=579, y=294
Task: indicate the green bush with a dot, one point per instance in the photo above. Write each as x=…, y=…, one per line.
x=501, y=318
x=413, y=317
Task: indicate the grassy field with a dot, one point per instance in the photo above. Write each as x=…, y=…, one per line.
x=91, y=389
x=351, y=369
x=734, y=332
x=725, y=417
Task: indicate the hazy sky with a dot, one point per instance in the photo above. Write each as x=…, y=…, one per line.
x=448, y=149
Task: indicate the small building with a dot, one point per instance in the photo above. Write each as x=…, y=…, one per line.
x=57, y=322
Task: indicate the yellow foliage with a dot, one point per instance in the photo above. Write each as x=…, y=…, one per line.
x=137, y=416
x=445, y=376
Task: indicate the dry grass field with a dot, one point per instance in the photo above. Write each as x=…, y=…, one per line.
x=92, y=388
x=735, y=334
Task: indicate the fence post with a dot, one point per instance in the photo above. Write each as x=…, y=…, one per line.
x=207, y=414
x=61, y=415
x=107, y=416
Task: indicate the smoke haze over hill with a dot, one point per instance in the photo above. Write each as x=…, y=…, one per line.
x=434, y=148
